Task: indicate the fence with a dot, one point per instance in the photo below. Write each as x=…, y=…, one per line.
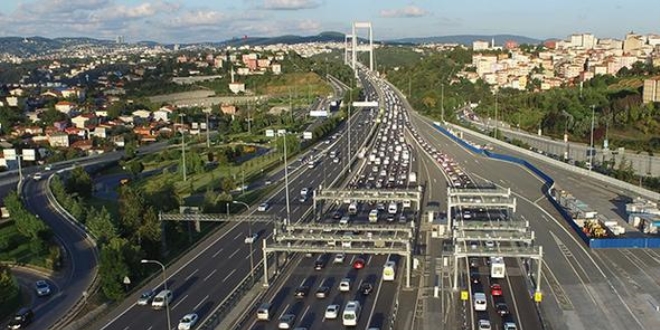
x=645, y=242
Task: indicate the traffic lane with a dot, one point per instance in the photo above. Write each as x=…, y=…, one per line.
x=299, y=185
x=27, y=278
x=80, y=254
x=519, y=297
x=383, y=297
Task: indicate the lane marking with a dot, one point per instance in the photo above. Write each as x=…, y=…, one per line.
x=200, y=303
x=233, y=254
x=180, y=301
x=229, y=275
x=191, y=275
x=209, y=275
x=218, y=252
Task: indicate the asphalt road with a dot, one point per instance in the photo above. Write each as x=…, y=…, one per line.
x=200, y=285
x=582, y=289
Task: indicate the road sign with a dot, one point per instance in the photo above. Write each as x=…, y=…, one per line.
x=538, y=296
x=29, y=155
x=464, y=295
x=127, y=280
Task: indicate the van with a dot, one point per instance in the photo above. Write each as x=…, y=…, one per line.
x=480, y=303
x=264, y=311
x=162, y=299
x=392, y=208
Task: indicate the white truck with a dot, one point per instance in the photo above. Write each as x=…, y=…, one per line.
x=412, y=177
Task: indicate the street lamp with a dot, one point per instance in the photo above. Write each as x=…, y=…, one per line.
x=183, y=146
x=286, y=182
x=249, y=235
x=167, y=303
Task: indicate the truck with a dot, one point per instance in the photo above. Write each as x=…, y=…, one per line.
x=412, y=177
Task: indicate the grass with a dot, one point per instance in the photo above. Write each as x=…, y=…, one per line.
x=18, y=249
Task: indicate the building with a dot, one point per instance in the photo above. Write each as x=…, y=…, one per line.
x=480, y=45
x=81, y=121
x=237, y=87
x=59, y=140
x=651, y=91
x=228, y=109
x=632, y=42
x=64, y=107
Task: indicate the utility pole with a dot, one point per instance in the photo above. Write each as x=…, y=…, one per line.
x=442, y=103
x=286, y=184
x=183, y=148
x=591, y=145
x=290, y=105
x=208, y=137
x=249, y=120
x=497, y=126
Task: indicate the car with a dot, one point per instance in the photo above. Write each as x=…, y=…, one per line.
x=475, y=277
x=301, y=291
x=322, y=292
x=268, y=182
x=249, y=239
x=263, y=207
x=303, y=198
x=21, y=319
x=188, y=321
x=474, y=263
x=146, y=298
x=320, y=262
x=286, y=321
x=42, y=288
x=304, y=191
x=496, y=290
x=48, y=167
x=37, y=176
x=502, y=309
x=358, y=263
x=345, y=285
x=336, y=160
x=509, y=326
x=339, y=258
x=332, y=312
x=484, y=325
x=490, y=244
x=366, y=288
x=336, y=215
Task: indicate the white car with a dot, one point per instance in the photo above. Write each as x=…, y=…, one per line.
x=484, y=325
x=251, y=238
x=332, y=312
x=345, y=285
x=48, y=167
x=42, y=288
x=263, y=207
x=304, y=191
x=490, y=244
x=510, y=326
x=188, y=321
x=37, y=176
x=339, y=258
x=286, y=321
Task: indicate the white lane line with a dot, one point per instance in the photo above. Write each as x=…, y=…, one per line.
x=128, y=328
x=200, y=303
x=228, y=275
x=192, y=274
x=305, y=313
x=218, y=252
x=233, y=254
x=239, y=235
x=209, y=275
x=151, y=327
x=286, y=309
x=180, y=301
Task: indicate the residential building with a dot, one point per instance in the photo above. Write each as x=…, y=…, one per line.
x=651, y=90
x=228, y=109
x=83, y=120
x=65, y=107
x=59, y=140
x=237, y=87
x=480, y=45
x=632, y=42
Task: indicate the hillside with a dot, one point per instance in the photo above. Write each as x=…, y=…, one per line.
x=468, y=39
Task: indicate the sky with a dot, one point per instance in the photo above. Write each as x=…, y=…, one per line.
x=186, y=21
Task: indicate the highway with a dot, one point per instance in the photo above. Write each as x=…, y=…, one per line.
x=580, y=290
x=376, y=306
x=206, y=275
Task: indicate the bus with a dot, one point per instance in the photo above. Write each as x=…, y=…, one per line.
x=351, y=314
x=389, y=270
x=497, y=267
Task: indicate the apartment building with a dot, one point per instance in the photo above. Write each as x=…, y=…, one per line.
x=651, y=90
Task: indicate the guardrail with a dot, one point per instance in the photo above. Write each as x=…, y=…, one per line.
x=596, y=243
x=93, y=286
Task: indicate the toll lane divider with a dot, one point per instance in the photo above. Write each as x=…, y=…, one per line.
x=594, y=243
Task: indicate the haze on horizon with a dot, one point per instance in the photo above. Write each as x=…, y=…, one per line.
x=180, y=21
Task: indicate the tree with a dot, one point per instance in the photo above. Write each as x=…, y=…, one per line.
x=134, y=167
x=51, y=116
x=100, y=224
x=27, y=224
x=131, y=208
x=113, y=268
x=80, y=183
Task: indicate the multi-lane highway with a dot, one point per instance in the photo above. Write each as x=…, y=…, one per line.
x=386, y=165
x=205, y=276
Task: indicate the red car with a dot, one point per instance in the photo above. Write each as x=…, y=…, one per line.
x=358, y=263
x=496, y=290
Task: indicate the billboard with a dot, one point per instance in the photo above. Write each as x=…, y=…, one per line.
x=9, y=154
x=195, y=125
x=29, y=155
x=365, y=104
x=318, y=113
x=281, y=131
x=270, y=133
x=307, y=135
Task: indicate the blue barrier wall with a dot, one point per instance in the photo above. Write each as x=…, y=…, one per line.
x=601, y=243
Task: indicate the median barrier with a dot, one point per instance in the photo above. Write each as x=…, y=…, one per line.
x=595, y=243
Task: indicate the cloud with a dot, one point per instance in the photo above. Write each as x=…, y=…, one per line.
x=408, y=11
x=290, y=4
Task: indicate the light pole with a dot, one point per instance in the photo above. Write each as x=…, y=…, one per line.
x=286, y=183
x=591, y=145
x=167, y=303
x=442, y=103
x=249, y=235
x=208, y=138
x=183, y=147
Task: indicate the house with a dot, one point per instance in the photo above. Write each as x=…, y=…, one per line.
x=84, y=145
x=81, y=121
x=237, y=87
x=59, y=140
x=74, y=92
x=228, y=109
x=277, y=68
x=65, y=107
x=100, y=132
x=242, y=71
x=101, y=113
x=130, y=119
x=163, y=114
